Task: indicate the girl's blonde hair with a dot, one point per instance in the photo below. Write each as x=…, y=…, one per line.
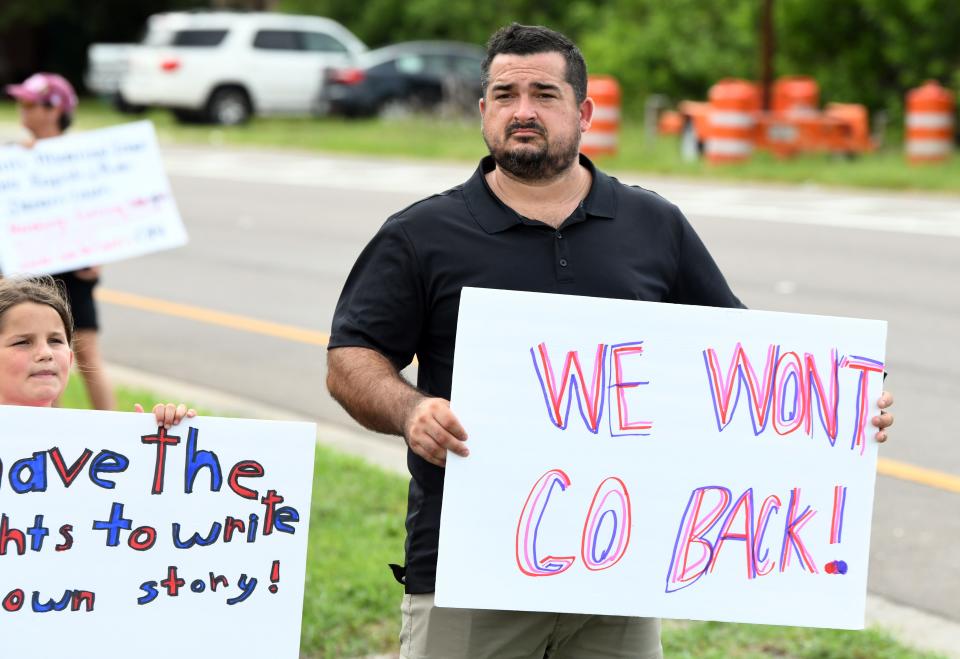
x=39, y=290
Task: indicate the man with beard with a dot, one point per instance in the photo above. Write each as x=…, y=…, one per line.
x=536, y=216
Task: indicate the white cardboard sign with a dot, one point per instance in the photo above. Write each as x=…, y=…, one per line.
x=635, y=458
x=85, y=199
x=115, y=539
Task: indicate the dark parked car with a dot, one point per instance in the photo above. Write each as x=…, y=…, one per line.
x=406, y=77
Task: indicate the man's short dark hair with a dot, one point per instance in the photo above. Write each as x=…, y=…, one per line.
x=516, y=39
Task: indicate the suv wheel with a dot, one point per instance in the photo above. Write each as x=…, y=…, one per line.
x=120, y=104
x=395, y=108
x=407, y=106
x=188, y=116
x=229, y=106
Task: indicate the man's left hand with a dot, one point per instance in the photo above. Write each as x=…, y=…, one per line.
x=885, y=419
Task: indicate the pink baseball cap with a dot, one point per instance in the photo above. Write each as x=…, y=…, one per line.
x=46, y=88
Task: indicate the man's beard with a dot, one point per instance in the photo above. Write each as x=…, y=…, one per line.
x=539, y=162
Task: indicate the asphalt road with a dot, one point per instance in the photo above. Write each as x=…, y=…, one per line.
x=272, y=237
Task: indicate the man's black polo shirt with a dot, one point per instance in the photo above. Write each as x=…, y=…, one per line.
x=402, y=296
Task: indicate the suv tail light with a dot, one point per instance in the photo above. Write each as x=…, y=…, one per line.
x=346, y=76
x=169, y=64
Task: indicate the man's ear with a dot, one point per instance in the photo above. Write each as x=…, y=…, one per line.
x=586, y=113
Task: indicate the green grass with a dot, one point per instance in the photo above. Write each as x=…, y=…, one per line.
x=75, y=396
x=351, y=604
x=715, y=640
x=885, y=169
x=418, y=137
x=459, y=140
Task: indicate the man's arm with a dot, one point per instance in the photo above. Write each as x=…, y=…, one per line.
x=368, y=386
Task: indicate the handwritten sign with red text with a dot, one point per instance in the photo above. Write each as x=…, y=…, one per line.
x=118, y=538
x=85, y=199
x=634, y=458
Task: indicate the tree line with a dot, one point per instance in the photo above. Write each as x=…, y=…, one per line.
x=859, y=51
x=863, y=51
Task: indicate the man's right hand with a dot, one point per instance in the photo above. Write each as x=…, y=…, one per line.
x=371, y=389
x=432, y=429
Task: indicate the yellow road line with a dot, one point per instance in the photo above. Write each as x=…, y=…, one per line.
x=886, y=467
x=929, y=477
x=200, y=314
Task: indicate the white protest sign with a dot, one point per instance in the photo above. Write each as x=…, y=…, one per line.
x=634, y=458
x=85, y=199
x=116, y=539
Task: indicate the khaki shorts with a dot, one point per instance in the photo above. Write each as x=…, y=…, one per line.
x=430, y=632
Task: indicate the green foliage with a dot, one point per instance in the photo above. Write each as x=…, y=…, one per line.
x=678, y=48
x=61, y=30
x=381, y=22
x=863, y=51
x=108, y=20
x=870, y=51
x=18, y=13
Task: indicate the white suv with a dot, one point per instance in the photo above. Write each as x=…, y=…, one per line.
x=224, y=66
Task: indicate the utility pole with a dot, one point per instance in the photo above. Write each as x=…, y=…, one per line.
x=767, y=48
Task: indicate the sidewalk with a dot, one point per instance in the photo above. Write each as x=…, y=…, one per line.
x=910, y=626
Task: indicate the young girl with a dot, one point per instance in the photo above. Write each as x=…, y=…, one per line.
x=36, y=329
x=48, y=103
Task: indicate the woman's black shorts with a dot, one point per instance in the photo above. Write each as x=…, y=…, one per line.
x=80, y=296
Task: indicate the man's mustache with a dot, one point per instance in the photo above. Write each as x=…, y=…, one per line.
x=532, y=125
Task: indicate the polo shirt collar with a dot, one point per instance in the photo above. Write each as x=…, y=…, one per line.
x=495, y=216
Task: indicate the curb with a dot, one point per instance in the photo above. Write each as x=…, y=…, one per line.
x=918, y=629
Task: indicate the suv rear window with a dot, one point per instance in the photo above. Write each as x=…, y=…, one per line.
x=321, y=43
x=297, y=40
x=277, y=40
x=202, y=38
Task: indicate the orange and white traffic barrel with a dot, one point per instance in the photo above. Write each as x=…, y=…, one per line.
x=929, y=121
x=603, y=136
x=731, y=123
x=670, y=123
x=796, y=96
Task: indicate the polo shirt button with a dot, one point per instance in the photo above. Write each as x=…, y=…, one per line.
x=563, y=263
